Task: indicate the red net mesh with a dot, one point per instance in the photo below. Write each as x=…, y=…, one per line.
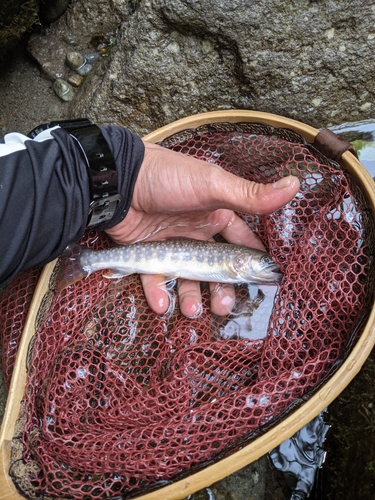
x=14, y=306
x=119, y=399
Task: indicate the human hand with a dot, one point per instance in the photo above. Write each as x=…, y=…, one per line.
x=179, y=196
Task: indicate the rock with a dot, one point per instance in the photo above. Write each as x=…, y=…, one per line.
x=50, y=52
x=83, y=70
x=83, y=21
x=50, y=10
x=74, y=60
x=88, y=18
x=69, y=39
x=63, y=89
x=75, y=80
x=91, y=57
x=177, y=59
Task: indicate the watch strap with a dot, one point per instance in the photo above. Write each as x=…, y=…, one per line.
x=101, y=166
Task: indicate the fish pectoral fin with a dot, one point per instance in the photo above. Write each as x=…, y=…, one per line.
x=231, y=270
x=113, y=274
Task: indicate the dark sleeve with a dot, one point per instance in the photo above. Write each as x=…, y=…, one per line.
x=128, y=151
x=45, y=195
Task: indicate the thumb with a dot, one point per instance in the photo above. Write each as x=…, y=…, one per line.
x=241, y=195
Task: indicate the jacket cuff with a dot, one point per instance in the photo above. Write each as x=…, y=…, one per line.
x=128, y=152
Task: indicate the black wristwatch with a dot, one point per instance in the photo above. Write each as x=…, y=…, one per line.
x=101, y=166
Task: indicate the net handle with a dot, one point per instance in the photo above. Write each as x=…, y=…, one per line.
x=332, y=145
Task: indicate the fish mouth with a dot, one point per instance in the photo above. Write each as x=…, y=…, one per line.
x=274, y=275
x=277, y=277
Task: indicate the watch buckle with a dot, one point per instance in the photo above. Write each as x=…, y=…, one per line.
x=102, y=209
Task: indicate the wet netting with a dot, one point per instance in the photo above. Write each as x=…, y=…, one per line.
x=120, y=400
x=14, y=306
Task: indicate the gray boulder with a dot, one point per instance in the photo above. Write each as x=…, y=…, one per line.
x=303, y=59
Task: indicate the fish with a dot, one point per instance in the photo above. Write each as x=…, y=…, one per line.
x=183, y=258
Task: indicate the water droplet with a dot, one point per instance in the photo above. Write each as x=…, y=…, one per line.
x=264, y=399
x=251, y=401
x=349, y=216
x=333, y=285
x=81, y=372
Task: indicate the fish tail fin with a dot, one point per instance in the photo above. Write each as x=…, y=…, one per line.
x=69, y=268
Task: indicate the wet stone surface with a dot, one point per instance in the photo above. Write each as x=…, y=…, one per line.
x=169, y=62
x=175, y=61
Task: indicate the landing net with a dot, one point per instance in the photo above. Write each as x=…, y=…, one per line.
x=119, y=399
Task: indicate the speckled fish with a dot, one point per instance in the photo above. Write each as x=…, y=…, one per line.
x=190, y=259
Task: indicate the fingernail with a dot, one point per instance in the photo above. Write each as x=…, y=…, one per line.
x=196, y=310
x=283, y=182
x=225, y=298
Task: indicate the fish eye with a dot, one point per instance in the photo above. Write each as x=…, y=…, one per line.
x=266, y=260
